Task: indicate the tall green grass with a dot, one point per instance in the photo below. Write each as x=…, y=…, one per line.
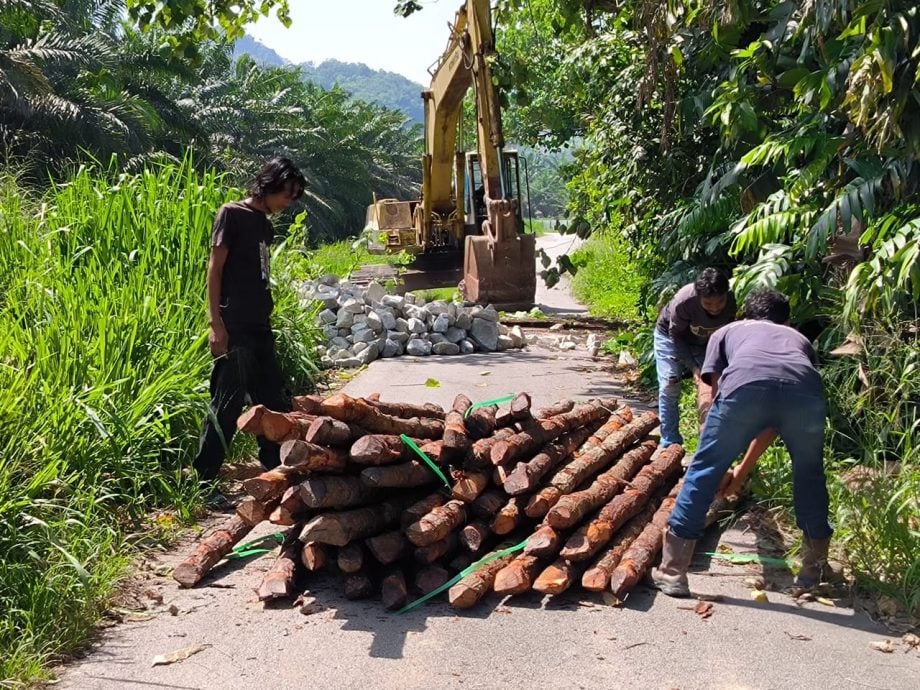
x=103, y=386
x=608, y=281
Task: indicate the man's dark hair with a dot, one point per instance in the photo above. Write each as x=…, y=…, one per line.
x=275, y=177
x=711, y=282
x=767, y=304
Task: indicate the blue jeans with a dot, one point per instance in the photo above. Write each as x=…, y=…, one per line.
x=732, y=424
x=670, y=371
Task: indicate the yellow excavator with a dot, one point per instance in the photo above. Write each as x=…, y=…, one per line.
x=470, y=206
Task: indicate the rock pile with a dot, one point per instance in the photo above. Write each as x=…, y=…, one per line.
x=361, y=324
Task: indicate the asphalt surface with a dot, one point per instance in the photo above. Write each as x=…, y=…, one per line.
x=576, y=640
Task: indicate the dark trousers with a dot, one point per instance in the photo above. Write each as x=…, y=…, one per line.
x=732, y=424
x=249, y=372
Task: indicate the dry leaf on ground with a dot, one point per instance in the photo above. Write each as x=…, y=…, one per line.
x=797, y=636
x=883, y=646
x=703, y=609
x=178, y=655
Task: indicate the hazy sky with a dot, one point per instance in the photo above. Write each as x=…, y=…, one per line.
x=362, y=31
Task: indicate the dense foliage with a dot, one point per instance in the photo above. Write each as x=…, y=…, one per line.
x=77, y=83
x=775, y=139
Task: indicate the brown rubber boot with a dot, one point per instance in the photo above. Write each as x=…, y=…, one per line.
x=671, y=576
x=814, y=561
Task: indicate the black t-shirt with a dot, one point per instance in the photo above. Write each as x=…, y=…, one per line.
x=689, y=325
x=245, y=293
x=750, y=351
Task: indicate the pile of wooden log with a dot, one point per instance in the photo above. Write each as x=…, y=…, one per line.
x=584, y=484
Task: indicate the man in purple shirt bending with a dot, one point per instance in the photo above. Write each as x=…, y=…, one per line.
x=764, y=380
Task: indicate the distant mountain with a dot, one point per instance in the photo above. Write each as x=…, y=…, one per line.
x=259, y=52
x=388, y=89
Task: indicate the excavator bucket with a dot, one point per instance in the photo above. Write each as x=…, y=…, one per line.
x=500, y=273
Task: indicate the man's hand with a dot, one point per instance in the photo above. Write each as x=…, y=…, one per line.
x=731, y=483
x=218, y=340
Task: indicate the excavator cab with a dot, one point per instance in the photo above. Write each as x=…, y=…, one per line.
x=499, y=259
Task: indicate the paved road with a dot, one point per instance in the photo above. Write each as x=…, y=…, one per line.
x=572, y=641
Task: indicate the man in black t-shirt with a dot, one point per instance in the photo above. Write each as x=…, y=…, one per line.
x=240, y=304
x=764, y=378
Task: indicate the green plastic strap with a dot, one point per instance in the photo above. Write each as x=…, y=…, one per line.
x=250, y=548
x=488, y=403
x=434, y=468
x=749, y=558
x=463, y=573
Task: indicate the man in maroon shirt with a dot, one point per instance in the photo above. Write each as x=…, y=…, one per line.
x=240, y=304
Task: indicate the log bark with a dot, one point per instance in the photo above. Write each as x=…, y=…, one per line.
x=379, y=449
x=435, y=552
x=351, y=558
x=477, y=584
x=250, y=421
x=557, y=577
x=421, y=508
x=547, y=430
x=393, y=591
x=474, y=535
x=430, y=578
x=469, y=485
x=590, y=538
x=437, y=524
x=456, y=439
x=481, y=422
x=387, y=547
x=335, y=492
x=518, y=412
x=210, y=550
x=328, y=431
x=510, y=516
x=348, y=409
x=488, y=503
x=479, y=456
x=358, y=586
x=527, y=475
x=278, y=582
x=404, y=475
x=569, y=510
x=252, y=512
x=589, y=462
x=314, y=556
x=285, y=426
x=339, y=528
x=597, y=577
x=518, y=576
x=641, y=554
x=290, y=510
x=545, y=542
x=408, y=410
x=271, y=484
x=308, y=457
x=308, y=404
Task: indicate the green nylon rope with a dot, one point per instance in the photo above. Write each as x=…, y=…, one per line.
x=463, y=573
x=428, y=461
x=488, y=403
x=246, y=550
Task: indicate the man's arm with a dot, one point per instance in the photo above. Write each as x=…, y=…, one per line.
x=218, y=338
x=735, y=477
x=679, y=330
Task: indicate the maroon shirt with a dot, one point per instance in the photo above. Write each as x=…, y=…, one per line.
x=245, y=293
